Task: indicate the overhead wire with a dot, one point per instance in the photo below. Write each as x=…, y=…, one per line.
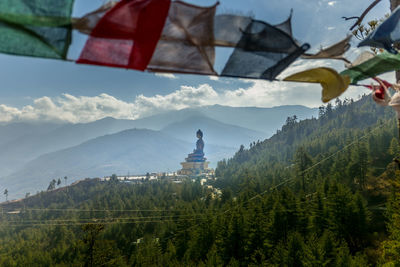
x=309, y=168
x=104, y=219
x=144, y=219
x=91, y=210
x=287, y=180
x=91, y=223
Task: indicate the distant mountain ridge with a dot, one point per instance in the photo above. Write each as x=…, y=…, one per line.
x=135, y=151
x=266, y=120
x=36, y=150
x=24, y=142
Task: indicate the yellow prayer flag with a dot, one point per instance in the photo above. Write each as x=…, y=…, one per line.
x=333, y=83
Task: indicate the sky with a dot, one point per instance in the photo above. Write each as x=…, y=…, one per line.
x=35, y=89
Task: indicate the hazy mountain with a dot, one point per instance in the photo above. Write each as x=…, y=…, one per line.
x=22, y=142
x=266, y=120
x=38, y=141
x=23, y=145
x=135, y=151
x=14, y=131
x=215, y=132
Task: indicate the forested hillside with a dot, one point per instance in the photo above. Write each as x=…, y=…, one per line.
x=320, y=192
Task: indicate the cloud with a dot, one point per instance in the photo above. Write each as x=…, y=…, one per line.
x=166, y=75
x=68, y=108
x=255, y=93
x=332, y=3
x=186, y=96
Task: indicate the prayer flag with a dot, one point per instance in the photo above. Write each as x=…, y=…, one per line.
x=380, y=94
x=38, y=28
x=89, y=21
x=335, y=51
x=332, y=83
x=262, y=52
x=286, y=26
x=228, y=28
x=127, y=35
x=187, y=41
x=386, y=34
x=179, y=37
x=379, y=64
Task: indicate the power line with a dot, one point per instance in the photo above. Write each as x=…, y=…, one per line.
x=309, y=168
x=89, y=210
x=106, y=219
x=91, y=223
x=287, y=180
x=144, y=219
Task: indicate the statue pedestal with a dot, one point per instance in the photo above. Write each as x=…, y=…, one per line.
x=193, y=168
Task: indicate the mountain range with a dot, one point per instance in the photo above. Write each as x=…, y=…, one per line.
x=31, y=154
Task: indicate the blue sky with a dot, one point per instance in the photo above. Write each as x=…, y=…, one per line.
x=41, y=89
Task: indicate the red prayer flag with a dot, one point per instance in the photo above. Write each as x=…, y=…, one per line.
x=380, y=94
x=127, y=35
x=379, y=90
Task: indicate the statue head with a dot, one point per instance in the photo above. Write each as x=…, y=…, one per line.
x=199, y=134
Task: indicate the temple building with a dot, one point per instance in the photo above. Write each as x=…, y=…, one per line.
x=195, y=163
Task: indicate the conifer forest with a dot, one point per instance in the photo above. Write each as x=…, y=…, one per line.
x=320, y=192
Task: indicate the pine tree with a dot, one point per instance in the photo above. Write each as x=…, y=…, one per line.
x=302, y=160
x=394, y=148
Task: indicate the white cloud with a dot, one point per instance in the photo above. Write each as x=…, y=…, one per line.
x=258, y=93
x=68, y=108
x=166, y=75
x=332, y=3
x=213, y=78
x=186, y=96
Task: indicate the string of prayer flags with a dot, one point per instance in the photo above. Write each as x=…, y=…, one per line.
x=153, y=35
x=334, y=51
x=227, y=27
x=127, y=35
x=39, y=28
x=373, y=67
x=186, y=45
x=333, y=84
x=386, y=34
x=160, y=36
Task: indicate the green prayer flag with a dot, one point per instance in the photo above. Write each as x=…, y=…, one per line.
x=38, y=28
x=379, y=64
